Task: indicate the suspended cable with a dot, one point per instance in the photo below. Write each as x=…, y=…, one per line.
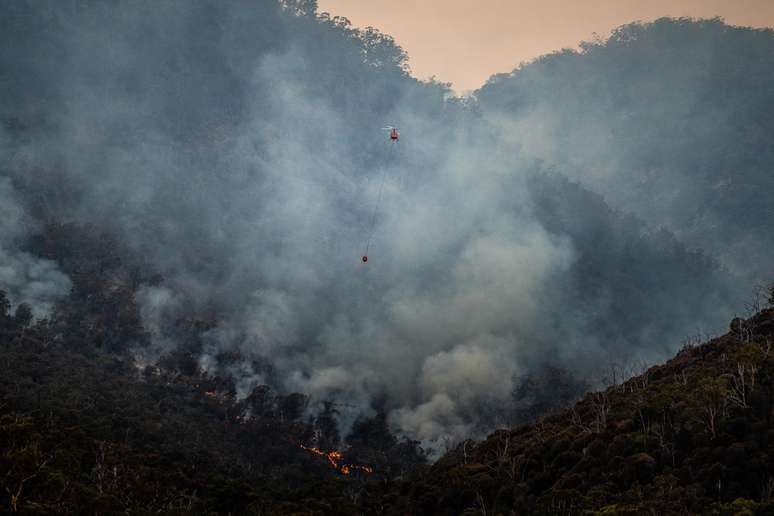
x=393, y=141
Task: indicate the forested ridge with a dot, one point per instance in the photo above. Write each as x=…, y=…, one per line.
x=85, y=431
x=668, y=120
x=186, y=189
x=691, y=436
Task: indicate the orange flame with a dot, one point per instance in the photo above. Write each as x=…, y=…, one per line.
x=334, y=458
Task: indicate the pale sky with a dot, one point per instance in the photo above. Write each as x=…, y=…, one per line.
x=466, y=41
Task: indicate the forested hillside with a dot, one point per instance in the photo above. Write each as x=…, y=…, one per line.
x=668, y=120
x=692, y=436
x=84, y=431
x=234, y=153
x=186, y=191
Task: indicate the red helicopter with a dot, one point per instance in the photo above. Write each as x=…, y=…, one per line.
x=394, y=134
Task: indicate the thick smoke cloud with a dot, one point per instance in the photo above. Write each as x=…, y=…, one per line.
x=667, y=121
x=239, y=150
x=25, y=278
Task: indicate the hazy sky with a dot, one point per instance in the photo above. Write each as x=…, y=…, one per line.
x=466, y=41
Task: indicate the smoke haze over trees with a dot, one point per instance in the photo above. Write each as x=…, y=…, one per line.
x=589, y=207
x=668, y=120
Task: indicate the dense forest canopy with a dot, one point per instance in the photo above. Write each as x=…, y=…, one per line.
x=585, y=209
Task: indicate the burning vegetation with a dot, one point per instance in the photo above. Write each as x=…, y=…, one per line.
x=336, y=460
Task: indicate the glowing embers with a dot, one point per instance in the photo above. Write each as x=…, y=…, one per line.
x=335, y=459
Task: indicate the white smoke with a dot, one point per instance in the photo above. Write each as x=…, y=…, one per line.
x=255, y=202
x=24, y=277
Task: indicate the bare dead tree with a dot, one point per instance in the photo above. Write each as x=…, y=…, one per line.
x=757, y=300
x=643, y=379
x=742, y=384
x=600, y=406
x=766, y=347
x=644, y=421
x=578, y=421
x=681, y=378
x=662, y=431
x=15, y=491
x=690, y=341
x=480, y=502
x=614, y=374
x=741, y=330
x=100, y=467
x=713, y=398
x=541, y=430
x=503, y=444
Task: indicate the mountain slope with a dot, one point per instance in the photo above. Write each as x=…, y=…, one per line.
x=691, y=436
x=668, y=120
x=234, y=154
x=86, y=428
x=82, y=432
